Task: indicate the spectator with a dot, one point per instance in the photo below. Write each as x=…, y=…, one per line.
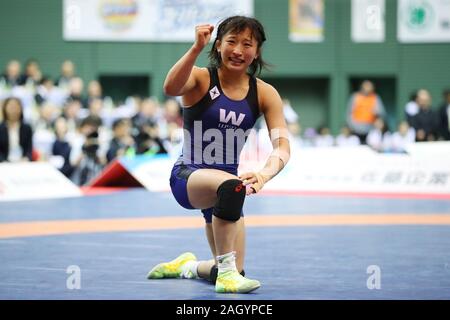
x=122, y=140
x=76, y=86
x=44, y=135
x=11, y=76
x=363, y=108
x=172, y=119
x=149, y=113
x=291, y=118
x=444, y=117
x=96, y=108
x=85, y=156
x=402, y=138
x=324, y=138
x=94, y=91
x=411, y=108
x=32, y=76
x=16, y=136
x=347, y=139
x=61, y=148
x=379, y=136
x=425, y=121
x=47, y=92
x=67, y=73
x=71, y=113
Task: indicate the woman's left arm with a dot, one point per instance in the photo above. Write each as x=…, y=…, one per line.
x=272, y=108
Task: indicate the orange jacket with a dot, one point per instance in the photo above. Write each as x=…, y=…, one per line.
x=364, y=108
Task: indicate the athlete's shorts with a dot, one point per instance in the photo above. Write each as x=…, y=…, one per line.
x=178, y=184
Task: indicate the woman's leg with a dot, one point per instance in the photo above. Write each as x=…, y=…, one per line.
x=223, y=236
x=202, y=192
x=204, y=268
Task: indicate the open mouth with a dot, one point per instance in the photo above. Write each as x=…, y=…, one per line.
x=236, y=61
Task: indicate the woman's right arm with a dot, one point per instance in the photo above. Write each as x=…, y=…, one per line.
x=182, y=77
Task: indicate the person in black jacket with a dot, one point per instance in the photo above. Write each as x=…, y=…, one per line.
x=61, y=147
x=444, y=117
x=425, y=121
x=16, y=136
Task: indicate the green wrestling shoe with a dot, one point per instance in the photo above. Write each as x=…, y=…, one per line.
x=172, y=269
x=233, y=282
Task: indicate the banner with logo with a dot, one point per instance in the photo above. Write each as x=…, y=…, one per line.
x=34, y=181
x=423, y=21
x=306, y=20
x=368, y=21
x=424, y=171
x=144, y=20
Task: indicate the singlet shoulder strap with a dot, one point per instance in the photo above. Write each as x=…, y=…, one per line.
x=252, y=97
x=214, y=78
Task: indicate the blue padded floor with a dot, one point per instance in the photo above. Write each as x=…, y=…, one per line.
x=296, y=262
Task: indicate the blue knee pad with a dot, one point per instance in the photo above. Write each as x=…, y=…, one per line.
x=230, y=200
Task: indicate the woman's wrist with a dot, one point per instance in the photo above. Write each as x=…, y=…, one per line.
x=195, y=50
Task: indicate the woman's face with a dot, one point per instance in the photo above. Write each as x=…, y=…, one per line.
x=61, y=127
x=13, y=111
x=238, y=51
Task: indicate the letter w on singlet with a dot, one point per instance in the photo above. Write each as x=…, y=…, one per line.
x=225, y=118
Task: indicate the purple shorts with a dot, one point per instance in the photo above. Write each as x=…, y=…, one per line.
x=178, y=184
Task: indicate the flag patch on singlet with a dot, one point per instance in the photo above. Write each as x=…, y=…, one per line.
x=214, y=93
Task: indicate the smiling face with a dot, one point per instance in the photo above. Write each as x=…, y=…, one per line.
x=238, y=51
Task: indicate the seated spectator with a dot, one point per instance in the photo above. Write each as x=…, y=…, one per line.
x=425, y=121
x=402, y=138
x=309, y=137
x=444, y=117
x=324, y=138
x=122, y=140
x=172, y=117
x=47, y=92
x=32, y=76
x=61, y=148
x=94, y=91
x=16, y=136
x=11, y=77
x=379, y=136
x=148, y=141
x=76, y=86
x=347, y=139
x=96, y=108
x=71, y=113
x=85, y=156
x=363, y=108
x=149, y=113
x=67, y=73
x=44, y=135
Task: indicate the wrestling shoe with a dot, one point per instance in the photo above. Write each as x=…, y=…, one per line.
x=173, y=269
x=232, y=281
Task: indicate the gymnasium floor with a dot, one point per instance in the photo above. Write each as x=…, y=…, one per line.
x=298, y=246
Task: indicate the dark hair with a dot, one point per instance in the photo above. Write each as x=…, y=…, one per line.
x=119, y=122
x=5, y=103
x=237, y=24
x=91, y=120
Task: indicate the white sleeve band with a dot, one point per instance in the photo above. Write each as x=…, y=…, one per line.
x=280, y=154
x=278, y=133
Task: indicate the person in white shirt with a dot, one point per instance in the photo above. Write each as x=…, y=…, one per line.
x=347, y=139
x=402, y=138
